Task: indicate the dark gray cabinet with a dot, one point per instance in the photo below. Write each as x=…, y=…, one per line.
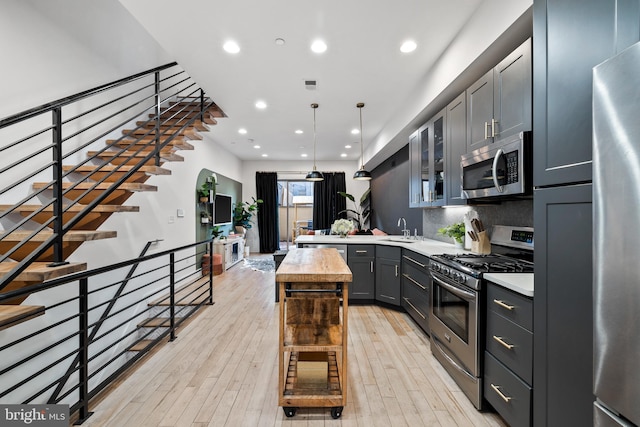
x=456, y=146
x=563, y=320
x=361, y=261
x=499, y=103
x=416, y=284
x=427, y=157
x=388, y=274
x=570, y=38
x=509, y=354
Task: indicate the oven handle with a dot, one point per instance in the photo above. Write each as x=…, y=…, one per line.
x=453, y=363
x=467, y=295
x=494, y=170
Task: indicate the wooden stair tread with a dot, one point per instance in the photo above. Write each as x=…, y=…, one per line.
x=141, y=345
x=127, y=186
x=148, y=169
x=11, y=315
x=157, y=322
x=40, y=271
x=208, y=117
x=149, y=146
x=166, y=156
x=73, y=208
x=177, y=122
x=213, y=109
x=69, y=236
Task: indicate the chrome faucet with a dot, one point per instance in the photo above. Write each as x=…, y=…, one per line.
x=405, y=231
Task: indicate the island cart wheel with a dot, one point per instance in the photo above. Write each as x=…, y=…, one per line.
x=289, y=411
x=336, y=412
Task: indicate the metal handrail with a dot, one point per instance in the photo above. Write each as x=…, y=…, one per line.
x=147, y=92
x=75, y=363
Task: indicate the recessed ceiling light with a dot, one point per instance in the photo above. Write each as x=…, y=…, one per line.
x=256, y=146
x=343, y=155
x=408, y=46
x=355, y=131
x=231, y=47
x=261, y=105
x=347, y=146
x=265, y=155
x=318, y=46
x=303, y=155
x=299, y=131
x=280, y=41
x=242, y=131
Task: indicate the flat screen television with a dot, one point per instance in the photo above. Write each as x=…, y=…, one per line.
x=222, y=209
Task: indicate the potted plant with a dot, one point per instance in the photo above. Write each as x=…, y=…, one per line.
x=360, y=212
x=216, y=232
x=203, y=192
x=455, y=231
x=205, y=218
x=242, y=214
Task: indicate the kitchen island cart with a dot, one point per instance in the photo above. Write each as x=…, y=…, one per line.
x=313, y=293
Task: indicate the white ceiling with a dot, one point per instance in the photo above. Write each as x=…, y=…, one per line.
x=363, y=63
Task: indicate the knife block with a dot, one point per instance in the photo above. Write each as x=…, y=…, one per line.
x=482, y=245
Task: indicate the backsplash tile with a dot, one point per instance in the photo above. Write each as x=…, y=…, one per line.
x=518, y=213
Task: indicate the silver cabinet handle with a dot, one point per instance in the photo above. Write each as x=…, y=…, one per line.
x=416, y=310
x=415, y=282
x=503, y=343
x=486, y=130
x=496, y=388
x=371, y=266
x=396, y=270
x=494, y=170
x=494, y=122
x=361, y=251
x=504, y=304
x=414, y=261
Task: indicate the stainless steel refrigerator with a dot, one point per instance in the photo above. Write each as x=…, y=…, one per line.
x=616, y=193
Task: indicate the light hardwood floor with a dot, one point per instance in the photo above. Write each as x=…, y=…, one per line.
x=222, y=371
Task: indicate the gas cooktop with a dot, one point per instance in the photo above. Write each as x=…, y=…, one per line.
x=475, y=265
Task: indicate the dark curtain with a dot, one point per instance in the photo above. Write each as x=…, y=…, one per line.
x=326, y=200
x=267, y=190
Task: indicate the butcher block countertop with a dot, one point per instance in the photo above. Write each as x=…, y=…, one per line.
x=313, y=265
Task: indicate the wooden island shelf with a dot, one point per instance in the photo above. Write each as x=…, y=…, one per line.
x=313, y=295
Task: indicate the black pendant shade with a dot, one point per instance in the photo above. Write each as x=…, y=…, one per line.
x=361, y=174
x=314, y=175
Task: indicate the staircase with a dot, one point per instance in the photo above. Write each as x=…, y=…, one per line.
x=58, y=216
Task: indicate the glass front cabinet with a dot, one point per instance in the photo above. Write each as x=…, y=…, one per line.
x=427, y=159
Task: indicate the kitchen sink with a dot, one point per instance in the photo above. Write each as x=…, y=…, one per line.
x=398, y=239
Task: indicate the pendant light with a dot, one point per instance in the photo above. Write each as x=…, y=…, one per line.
x=314, y=175
x=361, y=174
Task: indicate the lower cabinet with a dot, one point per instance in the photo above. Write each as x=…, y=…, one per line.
x=361, y=261
x=416, y=287
x=508, y=368
x=388, y=274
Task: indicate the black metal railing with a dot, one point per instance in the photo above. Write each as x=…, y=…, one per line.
x=157, y=105
x=86, y=337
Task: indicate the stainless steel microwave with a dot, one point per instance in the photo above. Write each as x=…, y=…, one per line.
x=501, y=169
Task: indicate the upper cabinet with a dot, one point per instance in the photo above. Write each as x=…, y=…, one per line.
x=456, y=145
x=427, y=157
x=572, y=37
x=499, y=103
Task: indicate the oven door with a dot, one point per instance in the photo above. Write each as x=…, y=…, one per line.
x=454, y=322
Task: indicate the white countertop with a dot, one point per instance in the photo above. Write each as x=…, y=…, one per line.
x=521, y=283
x=517, y=282
x=426, y=247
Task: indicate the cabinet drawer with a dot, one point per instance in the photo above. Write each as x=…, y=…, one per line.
x=415, y=301
x=389, y=252
x=511, y=344
x=507, y=393
x=416, y=274
x=361, y=251
x=415, y=259
x=513, y=306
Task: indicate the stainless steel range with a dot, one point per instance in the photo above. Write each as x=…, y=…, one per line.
x=457, y=312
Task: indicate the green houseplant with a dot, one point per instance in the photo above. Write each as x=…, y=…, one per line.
x=361, y=210
x=243, y=212
x=203, y=192
x=455, y=231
